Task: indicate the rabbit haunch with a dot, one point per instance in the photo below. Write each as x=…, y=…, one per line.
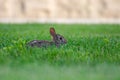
x=57, y=40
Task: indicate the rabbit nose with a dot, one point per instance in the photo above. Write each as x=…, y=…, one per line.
x=65, y=41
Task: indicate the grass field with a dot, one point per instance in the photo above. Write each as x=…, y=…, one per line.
x=92, y=52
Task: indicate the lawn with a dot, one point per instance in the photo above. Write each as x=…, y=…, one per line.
x=92, y=52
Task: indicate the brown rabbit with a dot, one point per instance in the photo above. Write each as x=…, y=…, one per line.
x=57, y=40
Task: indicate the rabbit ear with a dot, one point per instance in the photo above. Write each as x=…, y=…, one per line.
x=52, y=31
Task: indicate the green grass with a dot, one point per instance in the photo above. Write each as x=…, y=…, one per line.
x=92, y=52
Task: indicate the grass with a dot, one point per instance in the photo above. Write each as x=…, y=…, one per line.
x=92, y=52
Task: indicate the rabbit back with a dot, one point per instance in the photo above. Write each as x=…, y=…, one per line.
x=40, y=43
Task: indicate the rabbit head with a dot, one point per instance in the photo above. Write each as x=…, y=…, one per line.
x=57, y=38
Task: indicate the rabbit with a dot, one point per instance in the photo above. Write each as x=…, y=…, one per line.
x=57, y=40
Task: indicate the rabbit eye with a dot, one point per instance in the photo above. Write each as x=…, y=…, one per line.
x=60, y=38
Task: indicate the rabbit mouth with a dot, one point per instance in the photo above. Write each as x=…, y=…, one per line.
x=65, y=42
